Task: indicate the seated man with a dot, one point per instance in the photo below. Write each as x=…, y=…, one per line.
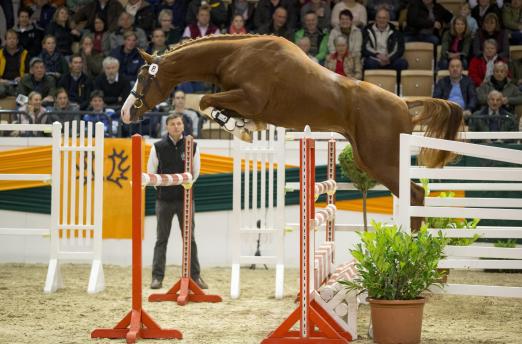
x=278, y=25
x=457, y=87
x=493, y=117
x=318, y=38
x=499, y=81
x=29, y=34
x=203, y=26
x=37, y=81
x=115, y=87
x=383, y=44
x=13, y=64
x=78, y=85
x=126, y=24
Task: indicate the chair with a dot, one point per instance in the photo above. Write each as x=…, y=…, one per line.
x=416, y=83
x=384, y=78
x=515, y=52
x=419, y=55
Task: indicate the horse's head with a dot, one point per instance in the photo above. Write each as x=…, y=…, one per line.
x=150, y=88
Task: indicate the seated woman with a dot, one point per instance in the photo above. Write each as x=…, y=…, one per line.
x=238, y=25
x=62, y=104
x=456, y=43
x=55, y=63
x=92, y=60
x=33, y=113
x=491, y=28
x=342, y=62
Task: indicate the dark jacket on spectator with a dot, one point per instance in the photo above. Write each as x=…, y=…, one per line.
x=265, y=10
x=179, y=10
x=22, y=63
x=79, y=90
x=418, y=16
x=395, y=43
x=146, y=17
x=46, y=86
x=477, y=69
x=508, y=90
x=218, y=12
x=232, y=10
x=493, y=8
x=30, y=40
x=115, y=93
x=479, y=121
x=269, y=29
x=443, y=88
x=110, y=14
x=502, y=38
x=54, y=63
x=129, y=63
x=64, y=39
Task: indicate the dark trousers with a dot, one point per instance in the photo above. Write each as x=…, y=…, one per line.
x=165, y=212
x=7, y=7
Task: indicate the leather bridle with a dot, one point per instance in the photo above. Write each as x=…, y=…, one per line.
x=151, y=77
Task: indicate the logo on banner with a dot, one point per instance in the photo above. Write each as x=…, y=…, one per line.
x=119, y=167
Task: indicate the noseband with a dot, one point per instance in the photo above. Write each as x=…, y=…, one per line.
x=151, y=77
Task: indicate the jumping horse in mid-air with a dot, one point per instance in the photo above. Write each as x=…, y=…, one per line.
x=268, y=79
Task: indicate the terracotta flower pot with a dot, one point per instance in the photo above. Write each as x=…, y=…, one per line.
x=397, y=321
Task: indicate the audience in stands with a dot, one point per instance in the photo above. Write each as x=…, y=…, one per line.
x=43, y=12
x=203, y=26
x=483, y=8
x=115, y=86
x=499, y=81
x=237, y=26
x=318, y=38
x=100, y=113
x=493, y=117
x=7, y=7
x=157, y=43
x=346, y=28
x=101, y=39
x=172, y=33
x=267, y=9
x=393, y=7
x=465, y=11
x=62, y=104
x=360, y=17
x=59, y=28
x=342, y=62
x=481, y=68
x=128, y=56
x=425, y=21
x=278, y=26
x=456, y=43
x=217, y=11
x=55, y=63
x=92, y=60
x=491, y=29
x=29, y=34
x=126, y=24
x=245, y=9
x=76, y=83
x=143, y=13
x=14, y=63
x=37, y=81
x=457, y=87
x=516, y=72
x=191, y=118
x=108, y=10
x=305, y=45
x=512, y=20
x=383, y=44
x=32, y=113
x=322, y=11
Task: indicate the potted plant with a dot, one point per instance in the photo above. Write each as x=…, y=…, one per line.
x=394, y=268
x=360, y=179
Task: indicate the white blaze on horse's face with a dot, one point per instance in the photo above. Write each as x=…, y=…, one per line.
x=125, y=110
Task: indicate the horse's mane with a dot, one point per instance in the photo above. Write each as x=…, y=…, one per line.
x=210, y=38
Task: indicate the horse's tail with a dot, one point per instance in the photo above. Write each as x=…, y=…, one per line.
x=443, y=120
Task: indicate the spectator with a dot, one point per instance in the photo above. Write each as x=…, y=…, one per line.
x=318, y=38
x=425, y=21
x=457, y=87
x=512, y=19
x=43, y=12
x=75, y=5
x=203, y=26
x=491, y=29
x=304, y=44
x=128, y=56
x=62, y=104
x=115, y=87
x=178, y=11
x=13, y=64
x=383, y=44
x=157, y=44
x=342, y=62
x=92, y=60
x=126, y=24
x=483, y=8
x=191, y=119
x=499, y=81
x=29, y=35
x=358, y=11
x=493, y=117
x=393, y=7
x=278, y=25
x=346, y=28
x=266, y=10
x=101, y=40
x=38, y=81
x=465, y=11
x=33, y=113
x=238, y=25
x=55, y=63
x=100, y=113
x=456, y=43
x=217, y=10
x=245, y=9
x=321, y=9
x=143, y=14
x=172, y=33
x=77, y=85
x=481, y=68
x=7, y=7
x=108, y=10
x=59, y=28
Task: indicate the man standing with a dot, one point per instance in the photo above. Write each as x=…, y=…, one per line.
x=457, y=87
x=167, y=157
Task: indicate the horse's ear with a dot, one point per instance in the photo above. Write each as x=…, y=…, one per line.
x=146, y=57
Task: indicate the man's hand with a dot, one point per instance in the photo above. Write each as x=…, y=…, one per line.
x=437, y=25
x=48, y=99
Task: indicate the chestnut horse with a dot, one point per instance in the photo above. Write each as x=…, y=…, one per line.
x=269, y=79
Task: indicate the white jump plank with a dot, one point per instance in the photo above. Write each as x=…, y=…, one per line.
x=480, y=213
x=25, y=177
x=483, y=251
x=476, y=186
x=482, y=231
x=480, y=264
x=258, y=259
x=474, y=202
x=479, y=290
x=513, y=174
